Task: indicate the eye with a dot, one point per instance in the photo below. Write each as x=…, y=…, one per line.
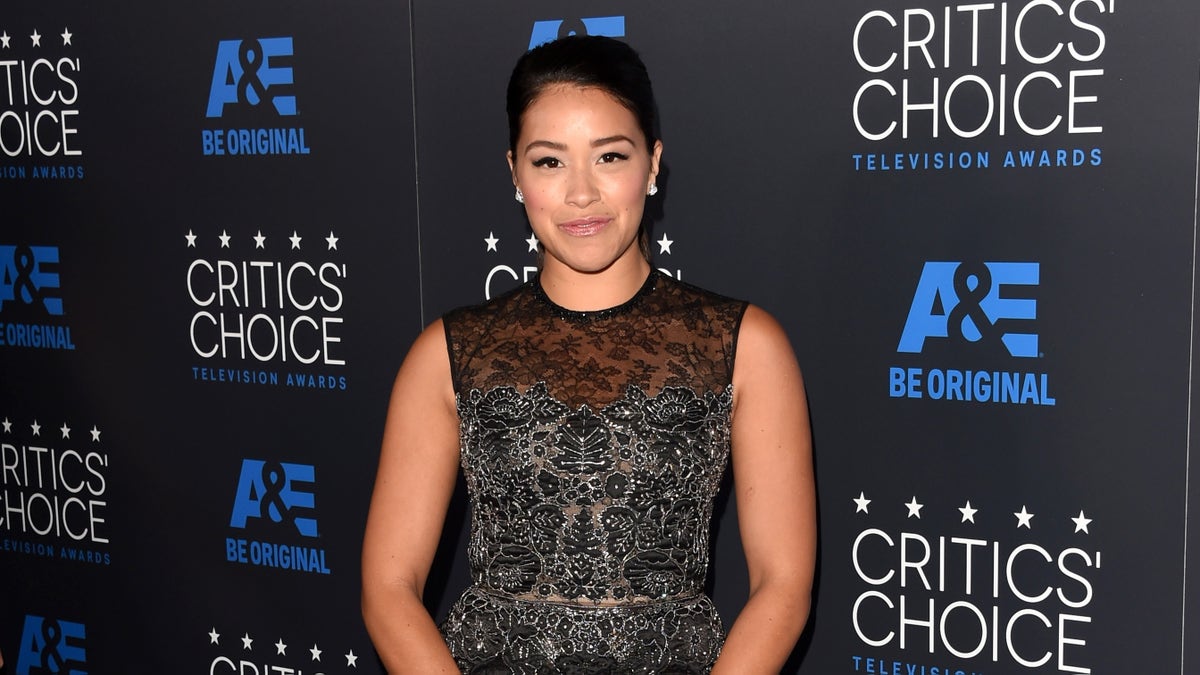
x=547, y=162
x=611, y=157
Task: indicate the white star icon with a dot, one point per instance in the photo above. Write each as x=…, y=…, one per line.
x=352, y=659
x=860, y=503
x=914, y=509
x=968, y=513
x=295, y=239
x=37, y=428
x=37, y=39
x=66, y=36
x=316, y=653
x=533, y=243
x=1081, y=523
x=664, y=244
x=191, y=239
x=259, y=240
x=491, y=242
x=224, y=239
x=4, y=40
x=7, y=426
x=332, y=241
x=214, y=638
x=246, y=640
x=1023, y=518
x=66, y=430
x=280, y=648
x=95, y=434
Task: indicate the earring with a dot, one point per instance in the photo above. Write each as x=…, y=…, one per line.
x=520, y=196
x=653, y=189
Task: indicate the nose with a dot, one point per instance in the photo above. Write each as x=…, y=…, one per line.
x=582, y=190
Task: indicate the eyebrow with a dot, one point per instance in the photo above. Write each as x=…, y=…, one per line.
x=560, y=147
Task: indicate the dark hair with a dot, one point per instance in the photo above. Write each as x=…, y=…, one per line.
x=588, y=61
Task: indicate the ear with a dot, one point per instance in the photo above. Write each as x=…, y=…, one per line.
x=655, y=158
x=511, y=166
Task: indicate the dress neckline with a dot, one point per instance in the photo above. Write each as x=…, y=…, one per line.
x=573, y=315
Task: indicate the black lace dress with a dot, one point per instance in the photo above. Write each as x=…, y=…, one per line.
x=593, y=444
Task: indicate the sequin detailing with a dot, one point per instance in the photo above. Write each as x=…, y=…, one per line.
x=592, y=445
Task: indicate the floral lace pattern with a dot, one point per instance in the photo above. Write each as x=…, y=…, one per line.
x=592, y=445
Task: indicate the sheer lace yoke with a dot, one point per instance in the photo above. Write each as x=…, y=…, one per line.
x=669, y=334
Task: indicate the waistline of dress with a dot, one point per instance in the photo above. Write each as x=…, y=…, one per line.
x=624, y=605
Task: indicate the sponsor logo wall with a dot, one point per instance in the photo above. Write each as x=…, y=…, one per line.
x=975, y=221
x=199, y=331
x=41, y=103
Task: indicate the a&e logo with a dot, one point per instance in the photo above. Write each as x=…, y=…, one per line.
x=52, y=646
x=548, y=31
x=30, y=304
x=30, y=277
x=244, y=74
x=990, y=304
x=278, y=492
x=275, y=491
x=248, y=74
x=967, y=301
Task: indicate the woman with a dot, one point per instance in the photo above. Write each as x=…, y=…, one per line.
x=592, y=411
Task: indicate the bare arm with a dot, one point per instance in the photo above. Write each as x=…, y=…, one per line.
x=776, y=498
x=417, y=469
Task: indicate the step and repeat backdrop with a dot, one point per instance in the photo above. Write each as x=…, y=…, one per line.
x=223, y=225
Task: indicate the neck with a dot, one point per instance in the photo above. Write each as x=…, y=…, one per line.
x=593, y=291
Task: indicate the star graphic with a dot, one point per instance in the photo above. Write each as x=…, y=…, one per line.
x=224, y=239
x=914, y=509
x=332, y=240
x=214, y=638
x=491, y=242
x=968, y=512
x=4, y=39
x=259, y=240
x=7, y=426
x=191, y=239
x=861, y=503
x=37, y=428
x=280, y=648
x=1023, y=518
x=295, y=239
x=316, y=653
x=37, y=39
x=95, y=434
x=246, y=640
x=66, y=430
x=351, y=659
x=1081, y=523
x=664, y=244
x=533, y=243
x=66, y=36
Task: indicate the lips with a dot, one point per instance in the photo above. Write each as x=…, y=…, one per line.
x=585, y=227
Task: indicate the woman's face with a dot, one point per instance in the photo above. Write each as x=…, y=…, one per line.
x=582, y=162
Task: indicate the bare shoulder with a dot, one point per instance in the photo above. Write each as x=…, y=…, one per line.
x=760, y=327
x=426, y=368
x=763, y=348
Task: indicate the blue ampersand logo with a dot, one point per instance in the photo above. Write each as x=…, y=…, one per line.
x=548, y=31
x=25, y=278
x=274, y=491
x=245, y=73
x=52, y=646
x=975, y=303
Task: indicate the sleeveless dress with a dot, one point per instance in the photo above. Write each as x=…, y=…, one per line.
x=592, y=444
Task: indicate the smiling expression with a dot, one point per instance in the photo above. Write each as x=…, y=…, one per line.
x=582, y=162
